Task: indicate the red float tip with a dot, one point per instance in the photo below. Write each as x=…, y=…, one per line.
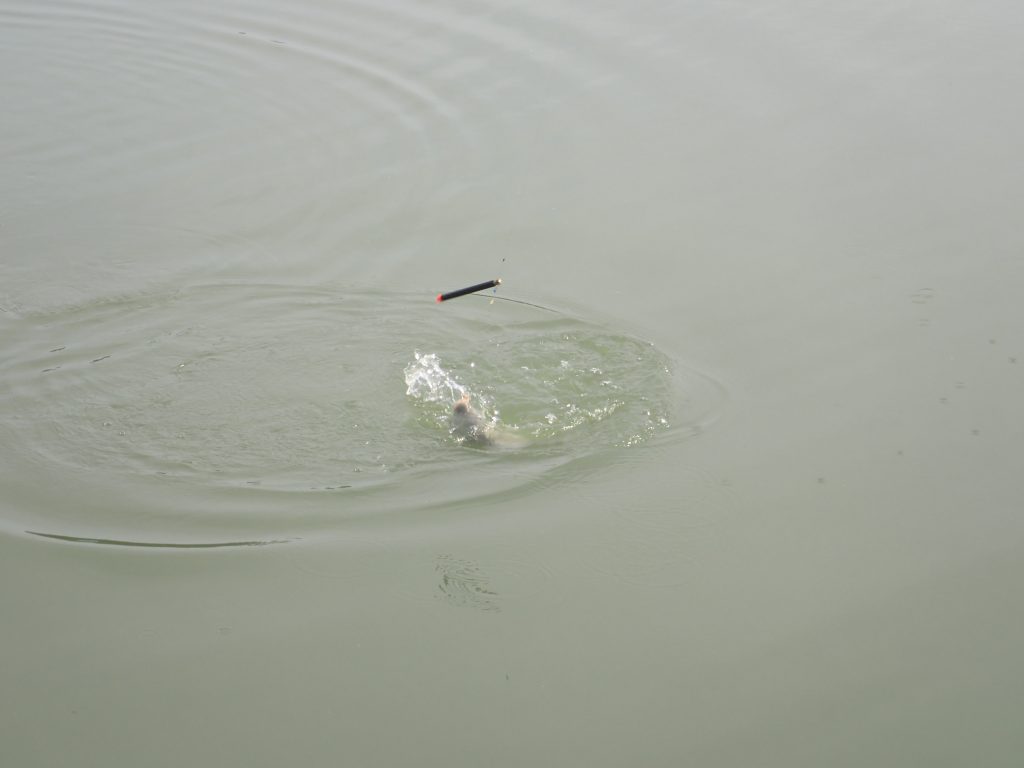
x=438, y=299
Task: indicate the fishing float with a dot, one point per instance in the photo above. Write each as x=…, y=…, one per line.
x=471, y=289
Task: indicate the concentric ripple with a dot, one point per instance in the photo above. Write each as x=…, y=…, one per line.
x=258, y=413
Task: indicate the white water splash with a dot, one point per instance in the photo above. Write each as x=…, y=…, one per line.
x=426, y=380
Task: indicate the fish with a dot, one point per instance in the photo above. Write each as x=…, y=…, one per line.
x=470, y=427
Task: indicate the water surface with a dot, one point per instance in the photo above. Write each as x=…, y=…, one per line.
x=758, y=345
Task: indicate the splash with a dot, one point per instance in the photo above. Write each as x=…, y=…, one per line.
x=426, y=380
x=436, y=390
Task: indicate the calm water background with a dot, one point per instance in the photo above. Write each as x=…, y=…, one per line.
x=780, y=525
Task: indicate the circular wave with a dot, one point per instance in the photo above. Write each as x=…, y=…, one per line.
x=270, y=412
x=390, y=127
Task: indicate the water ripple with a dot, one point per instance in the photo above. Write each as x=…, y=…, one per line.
x=270, y=412
x=377, y=119
x=155, y=544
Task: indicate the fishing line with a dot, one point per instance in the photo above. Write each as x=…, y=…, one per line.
x=519, y=301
